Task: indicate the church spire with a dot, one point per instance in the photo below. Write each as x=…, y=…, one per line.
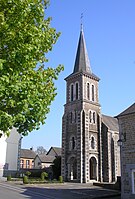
x=82, y=62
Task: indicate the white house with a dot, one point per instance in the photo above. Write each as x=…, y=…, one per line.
x=9, y=153
x=3, y=146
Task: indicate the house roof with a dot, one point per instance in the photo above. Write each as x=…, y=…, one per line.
x=27, y=153
x=46, y=158
x=129, y=110
x=110, y=122
x=55, y=150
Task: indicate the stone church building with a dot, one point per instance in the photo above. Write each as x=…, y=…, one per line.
x=89, y=139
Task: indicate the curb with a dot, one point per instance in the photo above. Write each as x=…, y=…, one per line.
x=107, y=196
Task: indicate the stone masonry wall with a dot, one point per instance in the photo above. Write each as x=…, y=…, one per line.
x=127, y=133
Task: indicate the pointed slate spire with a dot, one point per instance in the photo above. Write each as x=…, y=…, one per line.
x=82, y=62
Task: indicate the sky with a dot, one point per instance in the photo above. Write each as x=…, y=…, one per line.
x=109, y=30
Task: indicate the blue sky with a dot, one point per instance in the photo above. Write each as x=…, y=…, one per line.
x=109, y=30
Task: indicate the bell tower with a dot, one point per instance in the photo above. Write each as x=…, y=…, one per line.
x=81, y=121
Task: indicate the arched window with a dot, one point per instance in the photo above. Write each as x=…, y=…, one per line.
x=75, y=116
x=90, y=117
x=88, y=91
x=77, y=90
x=93, y=92
x=73, y=143
x=71, y=117
x=94, y=117
x=72, y=92
x=92, y=143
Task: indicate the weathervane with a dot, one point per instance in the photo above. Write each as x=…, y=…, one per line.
x=81, y=21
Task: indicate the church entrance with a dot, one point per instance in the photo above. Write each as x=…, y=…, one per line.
x=93, y=168
x=72, y=169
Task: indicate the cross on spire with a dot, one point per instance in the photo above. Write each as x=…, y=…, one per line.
x=81, y=21
x=82, y=62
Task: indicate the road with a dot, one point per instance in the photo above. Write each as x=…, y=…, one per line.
x=50, y=191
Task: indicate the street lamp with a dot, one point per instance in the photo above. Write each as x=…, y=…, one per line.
x=119, y=142
x=122, y=139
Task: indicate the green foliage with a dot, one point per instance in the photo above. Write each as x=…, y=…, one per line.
x=9, y=178
x=60, y=179
x=25, y=179
x=57, y=167
x=44, y=175
x=26, y=84
x=28, y=173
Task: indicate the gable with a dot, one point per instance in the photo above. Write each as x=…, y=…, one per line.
x=129, y=110
x=54, y=151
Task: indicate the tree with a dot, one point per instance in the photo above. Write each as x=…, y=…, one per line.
x=56, y=167
x=40, y=150
x=26, y=84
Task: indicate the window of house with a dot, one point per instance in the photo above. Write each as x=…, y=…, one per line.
x=72, y=92
x=92, y=143
x=32, y=164
x=22, y=164
x=88, y=91
x=77, y=90
x=133, y=181
x=27, y=163
x=93, y=92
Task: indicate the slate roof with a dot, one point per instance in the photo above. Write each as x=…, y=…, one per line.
x=46, y=158
x=82, y=62
x=56, y=151
x=110, y=122
x=129, y=110
x=27, y=153
x=91, y=75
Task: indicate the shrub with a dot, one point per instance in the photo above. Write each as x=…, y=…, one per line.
x=9, y=178
x=44, y=175
x=28, y=173
x=60, y=179
x=25, y=179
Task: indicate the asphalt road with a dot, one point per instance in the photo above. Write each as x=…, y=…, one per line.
x=56, y=191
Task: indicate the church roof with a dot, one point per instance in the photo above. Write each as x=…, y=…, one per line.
x=128, y=111
x=110, y=122
x=82, y=63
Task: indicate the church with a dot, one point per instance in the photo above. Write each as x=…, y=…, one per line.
x=90, y=152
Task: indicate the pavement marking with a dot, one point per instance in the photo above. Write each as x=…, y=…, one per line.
x=7, y=186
